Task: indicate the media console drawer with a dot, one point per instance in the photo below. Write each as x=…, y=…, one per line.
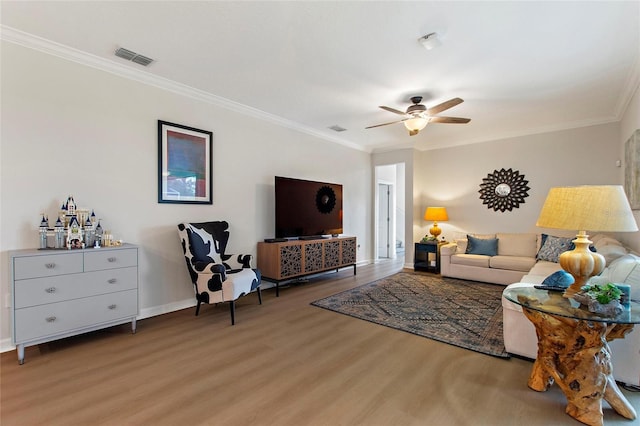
x=64, y=293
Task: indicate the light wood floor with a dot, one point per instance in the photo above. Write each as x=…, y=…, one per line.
x=283, y=363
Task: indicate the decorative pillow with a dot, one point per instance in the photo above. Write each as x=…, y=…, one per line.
x=559, y=279
x=552, y=247
x=487, y=247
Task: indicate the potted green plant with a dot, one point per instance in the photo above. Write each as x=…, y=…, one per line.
x=601, y=299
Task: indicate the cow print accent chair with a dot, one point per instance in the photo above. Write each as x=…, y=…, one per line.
x=204, y=245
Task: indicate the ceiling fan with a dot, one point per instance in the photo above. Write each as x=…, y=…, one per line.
x=418, y=116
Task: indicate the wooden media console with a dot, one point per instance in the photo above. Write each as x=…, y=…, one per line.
x=283, y=261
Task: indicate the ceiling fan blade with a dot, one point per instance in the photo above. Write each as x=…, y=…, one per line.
x=386, y=124
x=451, y=120
x=395, y=111
x=444, y=106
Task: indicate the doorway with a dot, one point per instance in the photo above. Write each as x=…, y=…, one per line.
x=389, y=211
x=384, y=220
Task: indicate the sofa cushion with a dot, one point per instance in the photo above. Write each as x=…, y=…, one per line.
x=611, y=252
x=517, y=244
x=512, y=263
x=471, y=260
x=552, y=247
x=462, y=245
x=626, y=270
x=482, y=246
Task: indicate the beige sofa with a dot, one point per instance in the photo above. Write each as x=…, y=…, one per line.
x=516, y=264
x=516, y=255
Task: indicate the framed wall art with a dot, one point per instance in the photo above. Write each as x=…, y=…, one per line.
x=185, y=161
x=632, y=169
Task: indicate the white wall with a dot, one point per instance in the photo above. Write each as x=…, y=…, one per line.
x=629, y=124
x=452, y=177
x=71, y=129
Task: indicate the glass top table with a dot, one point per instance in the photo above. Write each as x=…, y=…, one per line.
x=573, y=351
x=554, y=303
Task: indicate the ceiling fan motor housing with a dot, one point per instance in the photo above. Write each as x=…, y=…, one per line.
x=416, y=109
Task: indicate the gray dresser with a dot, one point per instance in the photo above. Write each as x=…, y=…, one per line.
x=61, y=293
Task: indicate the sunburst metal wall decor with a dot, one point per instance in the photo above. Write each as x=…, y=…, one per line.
x=504, y=190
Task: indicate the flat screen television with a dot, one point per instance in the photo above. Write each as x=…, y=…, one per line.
x=306, y=208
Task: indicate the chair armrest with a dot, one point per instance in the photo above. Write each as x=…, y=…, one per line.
x=448, y=249
x=210, y=268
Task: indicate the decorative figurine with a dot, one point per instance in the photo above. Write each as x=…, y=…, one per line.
x=59, y=234
x=75, y=228
x=74, y=234
x=44, y=228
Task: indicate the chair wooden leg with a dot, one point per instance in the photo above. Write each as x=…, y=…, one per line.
x=198, y=307
x=259, y=295
x=232, y=309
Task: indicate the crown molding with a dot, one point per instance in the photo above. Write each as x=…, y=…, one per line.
x=49, y=47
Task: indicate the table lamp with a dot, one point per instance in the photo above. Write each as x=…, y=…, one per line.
x=582, y=208
x=436, y=214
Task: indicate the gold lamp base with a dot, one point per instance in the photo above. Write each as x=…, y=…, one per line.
x=435, y=230
x=581, y=263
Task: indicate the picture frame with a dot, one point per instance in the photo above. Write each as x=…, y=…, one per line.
x=185, y=164
x=632, y=170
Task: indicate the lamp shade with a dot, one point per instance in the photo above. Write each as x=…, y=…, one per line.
x=593, y=208
x=436, y=214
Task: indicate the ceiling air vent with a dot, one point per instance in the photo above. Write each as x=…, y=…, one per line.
x=133, y=56
x=337, y=128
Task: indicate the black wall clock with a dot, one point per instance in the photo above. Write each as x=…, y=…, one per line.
x=504, y=190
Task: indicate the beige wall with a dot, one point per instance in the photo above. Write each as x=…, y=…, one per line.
x=452, y=177
x=71, y=129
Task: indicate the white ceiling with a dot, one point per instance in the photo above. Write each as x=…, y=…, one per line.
x=521, y=67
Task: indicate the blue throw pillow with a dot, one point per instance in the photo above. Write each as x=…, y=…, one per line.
x=487, y=247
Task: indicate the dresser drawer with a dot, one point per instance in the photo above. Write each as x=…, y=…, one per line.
x=39, y=291
x=55, y=318
x=47, y=265
x=109, y=259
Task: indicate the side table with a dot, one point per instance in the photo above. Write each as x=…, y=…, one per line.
x=573, y=351
x=422, y=261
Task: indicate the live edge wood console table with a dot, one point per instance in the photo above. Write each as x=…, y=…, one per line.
x=282, y=261
x=573, y=351
x=61, y=293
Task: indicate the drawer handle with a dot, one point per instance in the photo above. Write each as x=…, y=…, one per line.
x=112, y=307
x=51, y=290
x=111, y=259
x=51, y=319
x=50, y=265
x=112, y=281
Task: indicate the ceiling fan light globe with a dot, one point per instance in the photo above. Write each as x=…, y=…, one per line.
x=416, y=123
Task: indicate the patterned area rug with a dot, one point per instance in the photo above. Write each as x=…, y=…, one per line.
x=462, y=313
